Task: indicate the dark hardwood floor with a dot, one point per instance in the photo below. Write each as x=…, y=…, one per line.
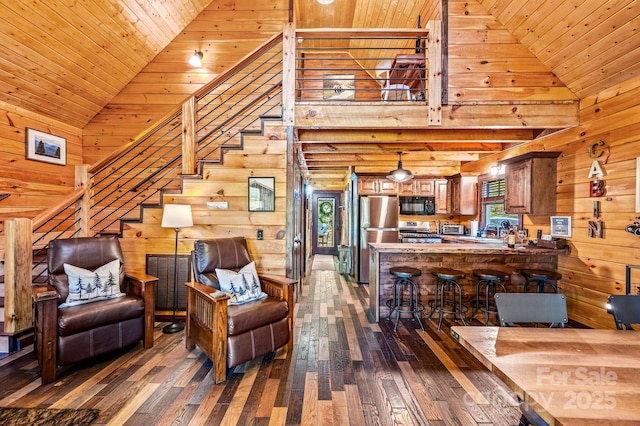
x=343, y=369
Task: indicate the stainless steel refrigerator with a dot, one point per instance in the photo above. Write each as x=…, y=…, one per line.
x=378, y=224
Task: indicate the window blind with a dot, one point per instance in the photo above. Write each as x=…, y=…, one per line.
x=493, y=188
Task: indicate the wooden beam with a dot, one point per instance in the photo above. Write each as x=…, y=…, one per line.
x=495, y=115
x=426, y=135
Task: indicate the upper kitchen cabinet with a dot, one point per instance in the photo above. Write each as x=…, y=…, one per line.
x=463, y=194
x=372, y=185
x=443, y=203
x=530, y=183
x=418, y=187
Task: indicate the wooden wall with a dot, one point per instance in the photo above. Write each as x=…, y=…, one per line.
x=33, y=185
x=225, y=32
x=487, y=63
x=596, y=266
x=262, y=156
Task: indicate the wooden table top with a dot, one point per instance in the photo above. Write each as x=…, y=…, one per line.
x=569, y=376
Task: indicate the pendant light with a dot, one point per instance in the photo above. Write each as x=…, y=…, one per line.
x=400, y=174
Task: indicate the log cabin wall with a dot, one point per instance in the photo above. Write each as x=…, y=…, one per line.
x=596, y=266
x=224, y=31
x=262, y=156
x=34, y=185
x=487, y=63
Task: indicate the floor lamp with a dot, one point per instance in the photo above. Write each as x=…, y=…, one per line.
x=176, y=216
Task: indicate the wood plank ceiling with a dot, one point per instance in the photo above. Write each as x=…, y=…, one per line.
x=68, y=59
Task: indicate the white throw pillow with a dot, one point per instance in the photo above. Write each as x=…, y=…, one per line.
x=242, y=286
x=88, y=286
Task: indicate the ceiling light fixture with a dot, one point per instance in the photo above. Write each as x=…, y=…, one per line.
x=497, y=169
x=400, y=174
x=196, y=59
x=325, y=1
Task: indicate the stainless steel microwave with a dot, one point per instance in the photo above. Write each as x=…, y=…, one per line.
x=418, y=206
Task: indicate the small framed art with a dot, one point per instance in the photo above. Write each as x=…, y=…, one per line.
x=561, y=226
x=46, y=147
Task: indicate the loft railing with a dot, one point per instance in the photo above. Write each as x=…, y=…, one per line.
x=362, y=65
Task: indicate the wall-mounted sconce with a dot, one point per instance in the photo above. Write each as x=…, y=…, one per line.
x=196, y=59
x=497, y=169
x=325, y=1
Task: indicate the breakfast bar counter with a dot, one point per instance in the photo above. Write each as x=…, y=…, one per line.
x=456, y=254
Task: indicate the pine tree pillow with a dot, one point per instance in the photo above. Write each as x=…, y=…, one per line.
x=242, y=286
x=88, y=286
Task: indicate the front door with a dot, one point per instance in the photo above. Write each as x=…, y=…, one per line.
x=326, y=224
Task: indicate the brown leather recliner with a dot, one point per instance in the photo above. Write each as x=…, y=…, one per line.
x=233, y=334
x=66, y=335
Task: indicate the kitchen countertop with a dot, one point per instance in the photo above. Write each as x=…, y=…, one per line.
x=483, y=247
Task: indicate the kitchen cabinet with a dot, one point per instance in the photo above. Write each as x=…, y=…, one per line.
x=418, y=187
x=443, y=204
x=530, y=183
x=372, y=185
x=463, y=195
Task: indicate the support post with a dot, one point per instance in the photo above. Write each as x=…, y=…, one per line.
x=189, y=136
x=18, y=314
x=435, y=73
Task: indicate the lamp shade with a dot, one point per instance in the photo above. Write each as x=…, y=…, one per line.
x=400, y=174
x=177, y=216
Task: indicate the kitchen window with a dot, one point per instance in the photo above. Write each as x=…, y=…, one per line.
x=492, y=204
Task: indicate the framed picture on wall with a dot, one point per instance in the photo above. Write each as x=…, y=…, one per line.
x=561, y=226
x=46, y=147
x=262, y=194
x=339, y=87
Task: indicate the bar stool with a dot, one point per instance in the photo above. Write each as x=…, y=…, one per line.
x=401, y=285
x=491, y=279
x=447, y=285
x=541, y=278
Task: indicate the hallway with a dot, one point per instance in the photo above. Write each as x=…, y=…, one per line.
x=342, y=370
x=366, y=374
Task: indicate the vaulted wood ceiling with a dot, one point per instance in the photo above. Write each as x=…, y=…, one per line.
x=68, y=59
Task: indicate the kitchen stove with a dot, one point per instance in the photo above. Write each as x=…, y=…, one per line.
x=417, y=232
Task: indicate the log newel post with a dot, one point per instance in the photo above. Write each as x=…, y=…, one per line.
x=434, y=79
x=189, y=136
x=83, y=181
x=18, y=314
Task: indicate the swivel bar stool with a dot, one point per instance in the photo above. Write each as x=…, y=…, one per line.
x=541, y=278
x=406, y=303
x=448, y=294
x=492, y=280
